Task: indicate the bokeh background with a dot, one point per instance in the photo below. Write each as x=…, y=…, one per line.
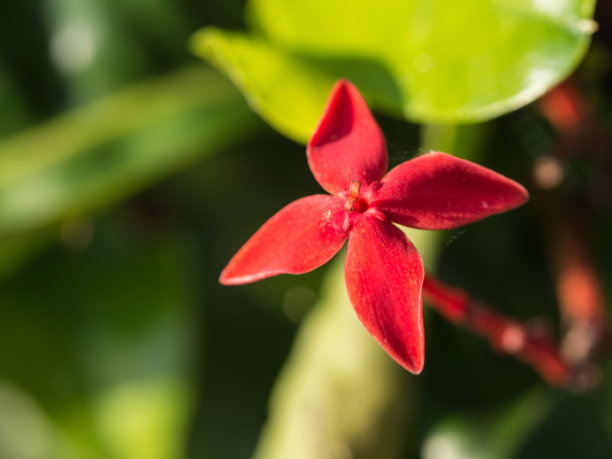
x=132, y=170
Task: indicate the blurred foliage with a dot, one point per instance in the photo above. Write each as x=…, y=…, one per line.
x=428, y=61
x=107, y=353
x=130, y=172
x=115, y=146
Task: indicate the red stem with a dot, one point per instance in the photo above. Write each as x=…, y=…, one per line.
x=532, y=345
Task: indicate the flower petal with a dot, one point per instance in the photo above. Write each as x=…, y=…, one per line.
x=347, y=144
x=439, y=191
x=384, y=275
x=299, y=238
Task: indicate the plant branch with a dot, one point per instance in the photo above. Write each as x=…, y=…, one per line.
x=533, y=345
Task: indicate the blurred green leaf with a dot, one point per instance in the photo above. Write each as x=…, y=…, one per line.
x=498, y=434
x=116, y=146
x=13, y=114
x=430, y=61
x=603, y=397
x=100, y=46
x=288, y=92
x=17, y=250
x=103, y=341
x=144, y=419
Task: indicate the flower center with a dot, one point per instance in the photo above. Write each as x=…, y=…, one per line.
x=357, y=202
x=353, y=200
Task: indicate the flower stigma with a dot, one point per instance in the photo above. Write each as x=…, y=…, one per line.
x=353, y=196
x=357, y=202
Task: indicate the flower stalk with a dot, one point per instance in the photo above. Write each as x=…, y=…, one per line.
x=533, y=345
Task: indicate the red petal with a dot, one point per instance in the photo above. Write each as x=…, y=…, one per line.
x=384, y=275
x=438, y=191
x=347, y=144
x=299, y=238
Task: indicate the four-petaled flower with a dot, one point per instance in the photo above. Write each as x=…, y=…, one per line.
x=384, y=273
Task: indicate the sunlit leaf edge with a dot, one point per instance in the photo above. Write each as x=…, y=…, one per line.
x=217, y=47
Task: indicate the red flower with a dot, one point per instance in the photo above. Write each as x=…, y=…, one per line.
x=384, y=272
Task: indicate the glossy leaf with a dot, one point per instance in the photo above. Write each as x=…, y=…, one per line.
x=429, y=61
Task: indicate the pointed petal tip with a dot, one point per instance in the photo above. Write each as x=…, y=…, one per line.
x=226, y=278
x=347, y=144
x=342, y=87
x=408, y=354
x=342, y=84
x=412, y=358
x=414, y=367
x=229, y=279
x=419, y=362
x=522, y=195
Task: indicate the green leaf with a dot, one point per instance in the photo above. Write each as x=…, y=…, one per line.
x=106, y=150
x=498, y=433
x=435, y=61
x=286, y=91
